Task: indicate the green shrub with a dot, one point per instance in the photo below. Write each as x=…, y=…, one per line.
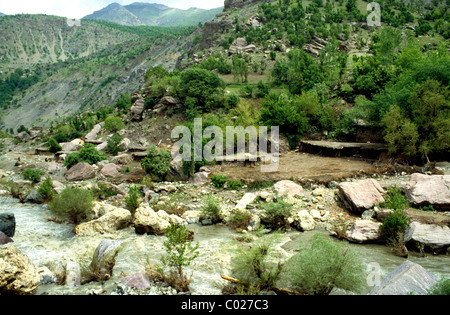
x=132, y=201
x=211, y=209
x=219, y=181
x=276, y=213
x=113, y=147
x=46, y=189
x=394, y=224
x=157, y=163
x=324, y=264
x=441, y=288
x=252, y=267
x=33, y=175
x=394, y=199
x=90, y=154
x=114, y=124
x=72, y=159
x=234, y=185
x=53, y=145
x=72, y=203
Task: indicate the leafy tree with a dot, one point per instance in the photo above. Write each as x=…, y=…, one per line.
x=73, y=203
x=157, y=163
x=114, y=124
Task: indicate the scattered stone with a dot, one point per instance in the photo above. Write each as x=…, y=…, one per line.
x=315, y=214
x=110, y=170
x=361, y=195
x=429, y=237
x=8, y=224
x=18, y=275
x=368, y=214
x=406, y=279
x=146, y=220
x=5, y=239
x=79, y=172
x=122, y=159
x=246, y=200
x=364, y=231
x=200, y=178
x=110, y=222
x=423, y=190
x=137, y=281
x=287, y=187
x=46, y=276
x=305, y=221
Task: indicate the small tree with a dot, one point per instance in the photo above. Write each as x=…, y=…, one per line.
x=132, y=201
x=73, y=203
x=113, y=147
x=46, y=189
x=180, y=252
x=114, y=124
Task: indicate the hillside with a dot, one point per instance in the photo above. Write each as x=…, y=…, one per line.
x=77, y=68
x=140, y=13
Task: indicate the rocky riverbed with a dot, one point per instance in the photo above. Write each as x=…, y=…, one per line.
x=56, y=251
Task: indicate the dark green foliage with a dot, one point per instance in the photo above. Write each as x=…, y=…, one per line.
x=72, y=203
x=90, y=154
x=276, y=213
x=441, y=288
x=46, y=189
x=200, y=89
x=72, y=159
x=157, y=163
x=132, y=201
x=113, y=147
x=219, y=181
x=33, y=175
x=211, y=209
x=324, y=264
x=53, y=145
x=18, y=81
x=124, y=102
x=234, y=185
x=114, y=124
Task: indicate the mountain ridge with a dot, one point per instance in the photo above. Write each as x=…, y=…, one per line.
x=152, y=14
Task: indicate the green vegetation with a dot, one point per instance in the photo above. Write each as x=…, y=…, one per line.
x=33, y=175
x=218, y=181
x=114, y=145
x=132, y=201
x=211, y=209
x=72, y=203
x=322, y=265
x=180, y=252
x=114, y=124
x=88, y=154
x=252, y=267
x=17, y=82
x=157, y=163
x=441, y=288
x=276, y=213
x=46, y=189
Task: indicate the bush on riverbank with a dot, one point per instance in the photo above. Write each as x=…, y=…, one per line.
x=72, y=203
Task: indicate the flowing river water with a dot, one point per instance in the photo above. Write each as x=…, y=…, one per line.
x=51, y=244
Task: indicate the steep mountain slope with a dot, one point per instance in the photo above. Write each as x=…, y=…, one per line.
x=140, y=13
x=102, y=61
x=1, y=14
x=27, y=40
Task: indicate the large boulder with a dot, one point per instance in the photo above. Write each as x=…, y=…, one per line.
x=146, y=220
x=8, y=224
x=200, y=178
x=305, y=221
x=18, y=275
x=79, y=172
x=110, y=170
x=423, y=190
x=429, y=237
x=137, y=109
x=364, y=231
x=287, y=187
x=361, y=195
x=406, y=279
x=247, y=199
x=92, y=135
x=105, y=254
x=108, y=223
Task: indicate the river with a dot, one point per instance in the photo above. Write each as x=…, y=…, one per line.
x=51, y=244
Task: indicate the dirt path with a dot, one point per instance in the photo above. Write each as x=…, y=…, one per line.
x=301, y=167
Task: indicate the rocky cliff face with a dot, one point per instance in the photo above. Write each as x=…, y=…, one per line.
x=232, y=4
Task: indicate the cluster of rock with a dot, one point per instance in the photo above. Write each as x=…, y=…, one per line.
x=363, y=196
